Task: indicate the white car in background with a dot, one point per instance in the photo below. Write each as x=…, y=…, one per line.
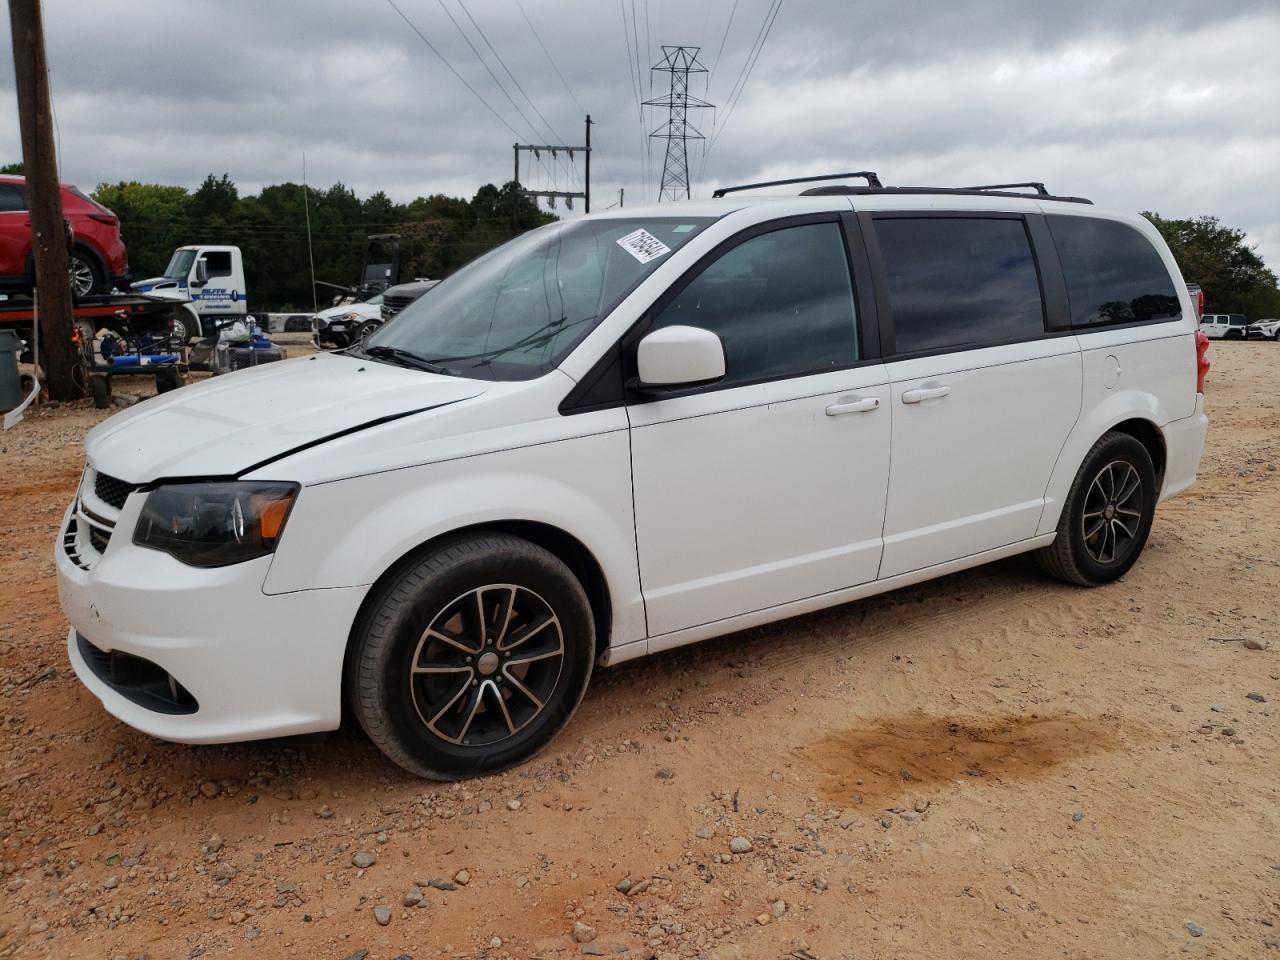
x=615, y=435
x=1264, y=330
x=348, y=322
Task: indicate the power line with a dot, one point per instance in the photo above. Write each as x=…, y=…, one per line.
x=725, y=36
x=744, y=75
x=551, y=59
x=747, y=68
x=452, y=69
x=555, y=136
x=503, y=63
x=633, y=80
x=484, y=63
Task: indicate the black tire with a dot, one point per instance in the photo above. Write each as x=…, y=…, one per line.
x=365, y=329
x=1085, y=560
x=87, y=277
x=425, y=616
x=100, y=390
x=167, y=380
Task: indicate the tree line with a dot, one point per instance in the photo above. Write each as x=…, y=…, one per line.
x=438, y=233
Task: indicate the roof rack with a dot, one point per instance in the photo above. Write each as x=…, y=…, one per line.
x=873, y=181
x=1038, y=187
x=995, y=190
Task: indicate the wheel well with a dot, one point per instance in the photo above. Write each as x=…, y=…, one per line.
x=90, y=253
x=1149, y=435
x=564, y=546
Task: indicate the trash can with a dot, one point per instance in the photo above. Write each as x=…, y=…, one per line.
x=10, y=382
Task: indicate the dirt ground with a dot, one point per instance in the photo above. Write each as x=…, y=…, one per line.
x=989, y=765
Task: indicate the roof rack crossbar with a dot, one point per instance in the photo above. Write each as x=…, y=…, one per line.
x=869, y=175
x=1038, y=187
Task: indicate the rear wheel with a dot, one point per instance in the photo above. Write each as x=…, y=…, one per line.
x=473, y=658
x=1107, y=514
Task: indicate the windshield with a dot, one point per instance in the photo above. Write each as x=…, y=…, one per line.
x=179, y=267
x=516, y=312
x=375, y=300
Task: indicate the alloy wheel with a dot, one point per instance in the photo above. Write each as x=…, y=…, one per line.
x=82, y=278
x=486, y=665
x=1112, y=513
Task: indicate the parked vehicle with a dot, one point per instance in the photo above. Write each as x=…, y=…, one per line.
x=400, y=296
x=209, y=279
x=342, y=324
x=99, y=259
x=1263, y=330
x=1224, y=326
x=1197, y=298
x=623, y=433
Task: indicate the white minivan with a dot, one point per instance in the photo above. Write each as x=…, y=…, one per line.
x=619, y=434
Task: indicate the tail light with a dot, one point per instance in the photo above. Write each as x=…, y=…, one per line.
x=1202, y=360
x=1199, y=304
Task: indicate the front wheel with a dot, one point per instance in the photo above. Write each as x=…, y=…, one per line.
x=473, y=658
x=86, y=275
x=1107, y=514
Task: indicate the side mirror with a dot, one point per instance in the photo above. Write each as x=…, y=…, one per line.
x=202, y=272
x=679, y=356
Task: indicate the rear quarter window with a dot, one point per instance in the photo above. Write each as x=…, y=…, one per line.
x=1114, y=275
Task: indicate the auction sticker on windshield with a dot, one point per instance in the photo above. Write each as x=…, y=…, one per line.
x=643, y=245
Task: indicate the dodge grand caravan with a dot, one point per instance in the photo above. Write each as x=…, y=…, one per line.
x=619, y=434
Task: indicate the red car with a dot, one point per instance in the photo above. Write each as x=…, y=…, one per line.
x=99, y=260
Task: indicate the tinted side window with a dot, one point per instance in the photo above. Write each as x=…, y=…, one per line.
x=218, y=263
x=12, y=198
x=782, y=302
x=959, y=282
x=1113, y=273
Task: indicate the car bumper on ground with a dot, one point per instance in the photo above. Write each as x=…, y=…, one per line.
x=199, y=655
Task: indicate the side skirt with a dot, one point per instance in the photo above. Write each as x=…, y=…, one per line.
x=744, y=621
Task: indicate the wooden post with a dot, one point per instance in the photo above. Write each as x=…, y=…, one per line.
x=44, y=200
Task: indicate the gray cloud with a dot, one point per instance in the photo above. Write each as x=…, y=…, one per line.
x=1142, y=105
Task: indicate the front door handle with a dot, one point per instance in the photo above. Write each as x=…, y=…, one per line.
x=920, y=394
x=853, y=405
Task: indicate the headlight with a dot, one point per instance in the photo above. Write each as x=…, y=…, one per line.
x=215, y=524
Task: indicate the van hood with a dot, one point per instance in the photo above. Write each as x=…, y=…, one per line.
x=227, y=424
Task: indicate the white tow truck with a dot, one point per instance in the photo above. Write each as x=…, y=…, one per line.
x=209, y=280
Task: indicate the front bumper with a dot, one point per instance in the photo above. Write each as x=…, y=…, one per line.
x=252, y=665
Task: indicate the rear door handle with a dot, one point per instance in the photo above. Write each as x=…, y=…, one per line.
x=853, y=405
x=920, y=394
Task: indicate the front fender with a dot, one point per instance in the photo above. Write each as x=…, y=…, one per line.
x=349, y=532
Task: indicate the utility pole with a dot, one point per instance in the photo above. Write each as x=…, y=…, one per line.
x=679, y=62
x=44, y=200
x=555, y=150
x=586, y=179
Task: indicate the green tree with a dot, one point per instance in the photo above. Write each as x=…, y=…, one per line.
x=13, y=169
x=438, y=233
x=1222, y=261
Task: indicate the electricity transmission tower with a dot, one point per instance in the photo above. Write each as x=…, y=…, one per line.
x=677, y=130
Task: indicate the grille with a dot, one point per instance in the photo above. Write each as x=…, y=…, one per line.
x=113, y=491
x=98, y=538
x=394, y=304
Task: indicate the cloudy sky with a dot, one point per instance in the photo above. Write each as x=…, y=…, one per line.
x=1168, y=105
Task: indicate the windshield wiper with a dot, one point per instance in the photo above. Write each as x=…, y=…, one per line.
x=538, y=338
x=405, y=358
